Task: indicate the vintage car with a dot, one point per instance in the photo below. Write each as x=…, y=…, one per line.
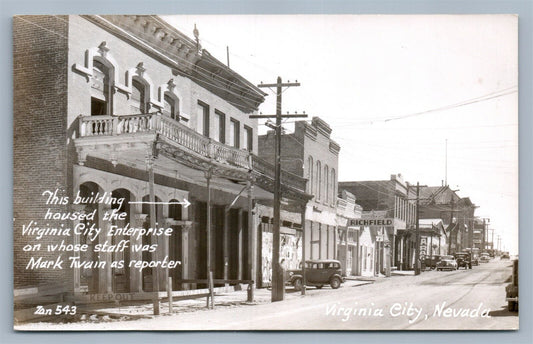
x=317, y=273
x=431, y=262
x=446, y=263
x=511, y=291
x=505, y=255
x=485, y=258
x=463, y=260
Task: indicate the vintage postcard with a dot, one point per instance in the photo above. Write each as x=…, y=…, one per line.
x=281, y=172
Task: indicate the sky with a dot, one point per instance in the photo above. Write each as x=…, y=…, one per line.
x=398, y=91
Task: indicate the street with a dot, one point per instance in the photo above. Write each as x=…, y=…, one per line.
x=450, y=300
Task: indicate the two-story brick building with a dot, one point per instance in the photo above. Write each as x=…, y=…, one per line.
x=310, y=152
x=129, y=108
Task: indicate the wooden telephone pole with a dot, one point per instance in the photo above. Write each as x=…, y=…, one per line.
x=278, y=287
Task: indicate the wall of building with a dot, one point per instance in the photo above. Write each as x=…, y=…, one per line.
x=40, y=135
x=85, y=35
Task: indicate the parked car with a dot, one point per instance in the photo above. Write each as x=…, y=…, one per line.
x=446, y=263
x=485, y=258
x=431, y=262
x=317, y=273
x=463, y=260
x=505, y=255
x=511, y=291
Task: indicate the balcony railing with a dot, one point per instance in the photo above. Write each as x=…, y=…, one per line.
x=90, y=126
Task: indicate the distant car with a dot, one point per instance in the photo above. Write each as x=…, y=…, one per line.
x=317, y=273
x=446, y=263
x=505, y=255
x=431, y=262
x=511, y=291
x=475, y=260
x=463, y=260
x=485, y=258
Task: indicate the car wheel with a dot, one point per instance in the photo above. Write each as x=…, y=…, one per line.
x=319, y=286
x=335, y=282
x=297, y=283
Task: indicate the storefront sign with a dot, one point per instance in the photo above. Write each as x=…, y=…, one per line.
x=371, y=222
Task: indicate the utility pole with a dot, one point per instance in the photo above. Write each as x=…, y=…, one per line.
x=278, y=287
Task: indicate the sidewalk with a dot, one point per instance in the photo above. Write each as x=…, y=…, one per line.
x=132, y=311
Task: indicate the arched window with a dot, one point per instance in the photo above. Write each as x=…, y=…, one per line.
x=100, y=89
x=310, y=167
x=139, y=102
x=171, y=106
x=318, y=180
x=326, y=183
x=333, y=186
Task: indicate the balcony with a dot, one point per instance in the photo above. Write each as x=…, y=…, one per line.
x=185, y=139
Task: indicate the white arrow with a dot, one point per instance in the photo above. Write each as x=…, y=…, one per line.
x=185, y=203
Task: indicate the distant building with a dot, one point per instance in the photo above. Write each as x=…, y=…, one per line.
x=393, y=199
x=456, y=213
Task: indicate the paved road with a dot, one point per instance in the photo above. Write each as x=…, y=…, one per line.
x=463, y=299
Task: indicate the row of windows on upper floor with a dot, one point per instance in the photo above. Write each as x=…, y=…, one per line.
x=322, y=182
x=404, y=210
x=101, y=104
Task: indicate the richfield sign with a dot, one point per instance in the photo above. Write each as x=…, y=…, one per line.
x=372, y=222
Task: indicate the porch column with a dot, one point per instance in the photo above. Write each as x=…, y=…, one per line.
x=240, y=248
x=252, y=238
x=76, y=241
x=225, y=244
x=304, y=284
x=136, y=281
x=105, y=277
x=185, y=253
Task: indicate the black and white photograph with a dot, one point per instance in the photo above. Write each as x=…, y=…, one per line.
x=265, y=172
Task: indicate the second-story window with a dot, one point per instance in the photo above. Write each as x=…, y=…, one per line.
x=247, y=143
x=310, y=168
x=234, y=133
x=203, y=118
x=171, y=107
x=100, y=90
x=219, y=127
x=326, y=183
x=138, y=97
x=333, y=186
x=318, y=180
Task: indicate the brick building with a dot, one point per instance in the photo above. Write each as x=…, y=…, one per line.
x=102, y=104
x=311, y=153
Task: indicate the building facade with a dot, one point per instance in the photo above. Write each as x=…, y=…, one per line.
x=456, y=213
x=391, y=199
x=311, y=153
x=128, y=115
